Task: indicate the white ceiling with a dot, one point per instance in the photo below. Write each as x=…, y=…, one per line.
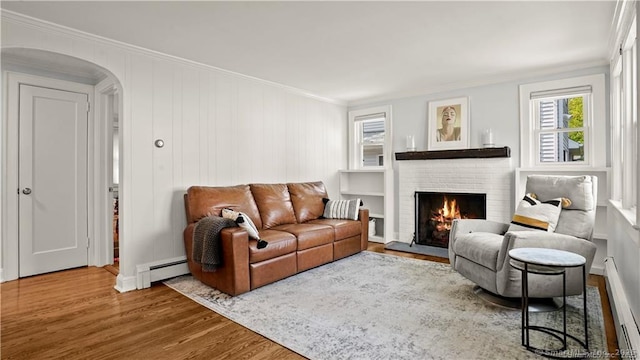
x=355, y=52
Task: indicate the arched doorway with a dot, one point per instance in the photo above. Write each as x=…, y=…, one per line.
x=23, y=66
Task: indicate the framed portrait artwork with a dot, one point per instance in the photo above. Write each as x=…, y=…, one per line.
x=448, y=124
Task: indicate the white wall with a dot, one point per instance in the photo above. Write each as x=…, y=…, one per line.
x=492, y=106
x=624, y=247
x=219, y=128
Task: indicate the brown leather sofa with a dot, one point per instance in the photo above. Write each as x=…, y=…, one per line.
x=288, y=216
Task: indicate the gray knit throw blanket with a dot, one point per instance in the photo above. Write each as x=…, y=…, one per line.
x=206, y=241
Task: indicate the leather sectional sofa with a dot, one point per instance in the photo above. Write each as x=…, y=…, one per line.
x=288, y=216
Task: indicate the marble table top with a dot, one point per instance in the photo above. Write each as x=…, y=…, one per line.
x=547, y=257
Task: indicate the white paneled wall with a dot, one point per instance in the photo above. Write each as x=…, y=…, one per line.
x=219, y=128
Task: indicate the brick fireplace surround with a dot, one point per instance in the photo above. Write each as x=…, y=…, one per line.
x=492, y=176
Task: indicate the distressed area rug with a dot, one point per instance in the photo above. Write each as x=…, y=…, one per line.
x=380, y=306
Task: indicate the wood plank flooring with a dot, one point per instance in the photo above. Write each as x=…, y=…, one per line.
x=76, y=314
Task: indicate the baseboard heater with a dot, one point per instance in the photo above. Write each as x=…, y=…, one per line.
x=626, y=328
x=160, y=270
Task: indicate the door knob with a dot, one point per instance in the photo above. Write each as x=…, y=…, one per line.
x=26, y=191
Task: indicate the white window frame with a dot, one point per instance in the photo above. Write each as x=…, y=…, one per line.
x=625, y=131
x=355, y=143
x=595, y=146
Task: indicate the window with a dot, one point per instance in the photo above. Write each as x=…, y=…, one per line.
x=369, y=137
x=624, y=124
x=560, y=128
x=559, y=119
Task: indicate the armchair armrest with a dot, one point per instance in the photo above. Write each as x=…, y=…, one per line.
x=465, y=226
x=541, y=239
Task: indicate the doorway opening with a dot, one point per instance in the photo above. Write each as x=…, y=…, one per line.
x=22, y=66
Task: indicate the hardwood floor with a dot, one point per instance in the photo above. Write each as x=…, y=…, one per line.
x=76, y=314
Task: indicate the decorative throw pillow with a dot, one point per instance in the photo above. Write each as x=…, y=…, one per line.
x=341, y=209
x=246, y=223
x=533, y=214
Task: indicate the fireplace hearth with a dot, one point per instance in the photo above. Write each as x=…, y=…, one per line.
x=435, y=212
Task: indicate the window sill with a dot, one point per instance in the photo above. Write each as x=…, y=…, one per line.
x=627, y=214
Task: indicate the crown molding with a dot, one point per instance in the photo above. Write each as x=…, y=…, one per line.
x=481, y=81
x=51, y=27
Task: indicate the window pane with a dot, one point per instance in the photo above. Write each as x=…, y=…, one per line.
x=557, y=117
x=561, y=113
x=566, y=146
x=372, y=142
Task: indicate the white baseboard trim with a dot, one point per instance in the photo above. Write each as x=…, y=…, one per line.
x=160, y=270
x=125, y=283
x=626, y=329
x=597, y=270
x=1, y=277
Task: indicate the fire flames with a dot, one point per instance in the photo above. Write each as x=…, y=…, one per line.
x=445, y=215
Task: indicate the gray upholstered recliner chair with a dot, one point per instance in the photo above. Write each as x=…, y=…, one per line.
x=478, y=249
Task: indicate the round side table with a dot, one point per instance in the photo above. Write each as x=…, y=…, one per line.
x=549, y=262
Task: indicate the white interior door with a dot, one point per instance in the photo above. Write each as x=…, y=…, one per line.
x=53, y=230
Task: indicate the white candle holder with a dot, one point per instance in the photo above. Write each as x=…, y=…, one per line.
x=487, y=138
x=411, y=143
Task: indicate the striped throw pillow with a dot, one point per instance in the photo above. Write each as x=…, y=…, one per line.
x=342, y=209
x=533, y=214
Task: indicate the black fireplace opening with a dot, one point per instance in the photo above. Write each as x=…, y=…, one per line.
x=435, y=212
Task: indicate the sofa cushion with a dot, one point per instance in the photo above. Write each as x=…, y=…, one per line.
x=280, y=243
x=343, y=228
x=307, y=200
x=309, y=235
x=274, y=203
x=479, y=247
x=205, y=201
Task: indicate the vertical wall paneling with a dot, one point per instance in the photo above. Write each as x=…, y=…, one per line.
x=211, y=130
x=296, y=140
x=203, y=127
x=191, y=127
x=176, y=159
x=275, y=133
x=249, y=122
x=225, y=134
x=142, y=195
x=162, y=98
x=219, y=128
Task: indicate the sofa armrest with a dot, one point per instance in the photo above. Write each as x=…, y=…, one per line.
x=363, y=216
x=233, y=276
x=235, y=254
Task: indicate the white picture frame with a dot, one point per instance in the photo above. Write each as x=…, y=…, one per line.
x=450, y=133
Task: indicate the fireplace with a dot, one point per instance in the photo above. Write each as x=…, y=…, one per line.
x=435, y=212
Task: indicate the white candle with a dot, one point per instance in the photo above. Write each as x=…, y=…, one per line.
x=487, y=138
x=411, y=143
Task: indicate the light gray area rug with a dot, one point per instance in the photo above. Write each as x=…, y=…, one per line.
x=380, y=306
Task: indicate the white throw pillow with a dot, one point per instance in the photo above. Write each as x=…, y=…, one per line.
x=245, y=222
x=532, y=214
x=341, y=209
